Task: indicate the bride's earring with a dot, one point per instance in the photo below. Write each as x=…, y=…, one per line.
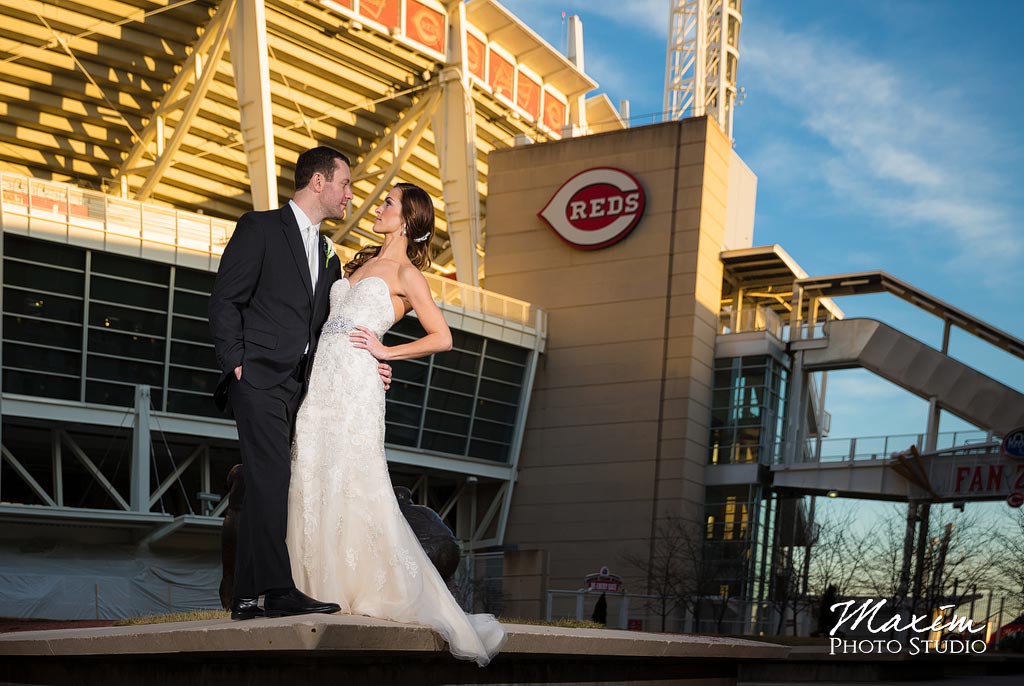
x=403, y=230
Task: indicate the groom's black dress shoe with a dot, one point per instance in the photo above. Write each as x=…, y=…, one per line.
x=245, y=607
x=295, y=602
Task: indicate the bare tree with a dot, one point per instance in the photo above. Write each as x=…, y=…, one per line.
x=678, y=572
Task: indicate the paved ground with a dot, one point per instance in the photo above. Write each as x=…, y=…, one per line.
x=1011, y=680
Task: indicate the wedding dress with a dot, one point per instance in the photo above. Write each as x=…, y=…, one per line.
x=347, y=539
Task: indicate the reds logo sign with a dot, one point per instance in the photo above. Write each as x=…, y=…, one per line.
x=596, y=208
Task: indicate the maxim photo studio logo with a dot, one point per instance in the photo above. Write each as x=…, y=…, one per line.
x=914, y=635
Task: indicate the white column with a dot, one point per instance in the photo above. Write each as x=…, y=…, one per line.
x=251, y=63
x=454, y=124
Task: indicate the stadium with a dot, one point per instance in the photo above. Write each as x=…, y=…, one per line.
x=625, y=354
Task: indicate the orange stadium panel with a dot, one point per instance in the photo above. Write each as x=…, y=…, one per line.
x=476, y=57
x=554, y=112
x=528, y=95
x=383, y=12
x=501, y=72
x=424, y=25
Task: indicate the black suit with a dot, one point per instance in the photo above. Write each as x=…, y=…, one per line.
x=263, y=314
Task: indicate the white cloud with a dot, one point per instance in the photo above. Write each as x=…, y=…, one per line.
x=897, y=146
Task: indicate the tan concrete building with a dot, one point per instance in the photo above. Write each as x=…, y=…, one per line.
x=618, y=428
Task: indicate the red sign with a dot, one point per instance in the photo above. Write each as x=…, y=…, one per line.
x=596, y=208
x=603, y=581
x=382, y=11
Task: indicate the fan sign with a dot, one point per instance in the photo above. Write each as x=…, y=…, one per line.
x=596, y=208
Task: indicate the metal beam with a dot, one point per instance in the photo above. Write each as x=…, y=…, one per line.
x=23, y=473
x=141, y=448
x=175, y=475
x=431, y=98
x=95, y=471
x=201, y=66
x=250, y=60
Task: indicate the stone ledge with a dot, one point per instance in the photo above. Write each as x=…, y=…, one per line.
x=348, y=633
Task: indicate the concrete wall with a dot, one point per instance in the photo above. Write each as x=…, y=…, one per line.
x=618, y=425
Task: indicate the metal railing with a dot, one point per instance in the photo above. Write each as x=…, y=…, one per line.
x=882, y=447
x=751, y=319
x=93, y=219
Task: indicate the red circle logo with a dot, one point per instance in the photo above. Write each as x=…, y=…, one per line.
x=596, y=208
x=1015, y=499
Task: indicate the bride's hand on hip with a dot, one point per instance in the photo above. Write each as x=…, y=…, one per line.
x=364, y=339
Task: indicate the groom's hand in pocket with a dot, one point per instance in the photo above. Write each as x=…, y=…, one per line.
x=238, y=373
x=384, y=370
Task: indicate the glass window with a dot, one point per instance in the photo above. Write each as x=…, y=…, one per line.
x=499, y=391
x=191, y=330
x=506, y=352
x=452, y=402
x=406, y=393
x=191, y=403
x=410, y=370
x=491, y=409
x=126, y=345
x=504, y=371
x=190, y=355
x=449, y=423
x=44, y=252
x=443, y=443
x=47, y=279
x=42, y=359
x=129, y=268
x=42, y=305
x=127, y=293
x=486, y=450
x=455, y=381
x=127, y=319
x=192, y=380
x=400, y=435
x=194, y=280
x=128, y=371
x=191, y=304
x=113, y=394
x=45, y=385
x=458, y=361
x=42, y=332
x=398, y=413
x=492, y=431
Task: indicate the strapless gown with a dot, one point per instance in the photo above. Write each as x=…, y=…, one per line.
x=347, y=539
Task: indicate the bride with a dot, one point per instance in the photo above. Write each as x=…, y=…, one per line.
x=347, y=539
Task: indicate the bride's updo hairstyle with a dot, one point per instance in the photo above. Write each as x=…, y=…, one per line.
x=418, y=218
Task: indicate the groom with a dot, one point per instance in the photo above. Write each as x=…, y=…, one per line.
x=269, y=302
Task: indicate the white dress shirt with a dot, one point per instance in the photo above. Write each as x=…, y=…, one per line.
x=311, y=241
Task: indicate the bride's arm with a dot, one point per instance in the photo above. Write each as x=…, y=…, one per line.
x=439, y=336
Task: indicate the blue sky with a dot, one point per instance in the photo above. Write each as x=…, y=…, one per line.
x=884, y=135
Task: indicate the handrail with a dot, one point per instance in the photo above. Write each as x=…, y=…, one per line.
x=878, y=281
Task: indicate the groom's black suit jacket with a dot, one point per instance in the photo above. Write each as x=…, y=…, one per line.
x=263, y=310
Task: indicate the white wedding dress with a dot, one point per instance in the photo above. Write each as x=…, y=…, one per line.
x=347, y=539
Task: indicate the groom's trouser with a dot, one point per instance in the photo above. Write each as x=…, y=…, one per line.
x=266, y=422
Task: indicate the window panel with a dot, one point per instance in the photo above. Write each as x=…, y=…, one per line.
x=506, y=352
x=120, y=369
x=194, y=280
x=43, y=333
x=191, y=304
x=442, y=443
x=125, y=293
x=42, y=359
x=504, y=371
x=189, y=403
x=126, y=345
x=449, y=423
x=113, y=394
x=45, y=385
x=37, y=304
x=488, y=409
x=400, y=435
x=191, y=330
x=44, y=278
x=192, y=380
x=492, y=431
x=43, y=252
x=128, y=268
x=406, y=393
x=488, y=451
x=190, y=355
x=452, y=402
x=458, y=361
x=127, y=319
x=463, y=383
x=499, y=391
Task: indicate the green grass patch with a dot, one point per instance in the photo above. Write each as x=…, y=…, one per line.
x=192, y=616
x=563, y=623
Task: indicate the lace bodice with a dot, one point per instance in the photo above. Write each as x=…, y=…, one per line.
x=367, y=303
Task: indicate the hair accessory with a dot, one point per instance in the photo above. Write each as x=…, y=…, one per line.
x=425, y=237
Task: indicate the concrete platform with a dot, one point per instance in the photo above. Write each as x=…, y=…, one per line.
x=322, y=649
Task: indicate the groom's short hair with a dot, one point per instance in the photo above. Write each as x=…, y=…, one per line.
x=318, y=159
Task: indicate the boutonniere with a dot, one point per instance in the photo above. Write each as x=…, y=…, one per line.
x=328, y=252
